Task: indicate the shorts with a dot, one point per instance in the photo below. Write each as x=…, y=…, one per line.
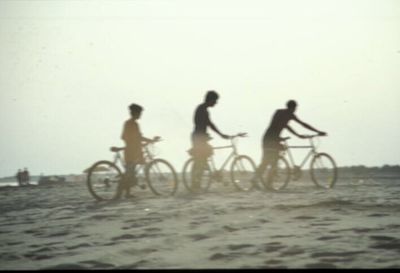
x=200, y=147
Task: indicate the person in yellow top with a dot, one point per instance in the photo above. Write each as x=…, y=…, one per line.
x=133, y=153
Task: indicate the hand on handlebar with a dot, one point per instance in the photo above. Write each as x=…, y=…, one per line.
x=225, y=136
x=155, y=139
x=238, y=135
x=311, y=136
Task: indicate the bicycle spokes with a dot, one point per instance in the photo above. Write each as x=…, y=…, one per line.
x=323, y=171
x=161, y=177
x=277, y=177
x=196, y=179
x=242, y=172
x=103, y=180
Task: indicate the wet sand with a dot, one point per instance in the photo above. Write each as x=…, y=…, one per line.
x=354, y=225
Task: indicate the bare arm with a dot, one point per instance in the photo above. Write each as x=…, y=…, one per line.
x=212, y=126
x=308, y=126
x=294, y=132
x=154, y=139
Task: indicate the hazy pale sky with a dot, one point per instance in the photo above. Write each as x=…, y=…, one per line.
x=69, y=70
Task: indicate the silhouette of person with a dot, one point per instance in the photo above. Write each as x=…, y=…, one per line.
x=25, y=176
x=201, y=150
x=133, y=153
x=271, y=140
x=19, y=177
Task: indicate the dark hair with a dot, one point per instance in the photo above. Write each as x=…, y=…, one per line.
x=211, y=95
x=291, y=104
x=135, y=108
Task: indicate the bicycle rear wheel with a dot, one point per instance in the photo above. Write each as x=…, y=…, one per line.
x=277, y=178
x=187, y=174
x=103, y=180
x=242, y=171
x=323, y=171
x=161, y=177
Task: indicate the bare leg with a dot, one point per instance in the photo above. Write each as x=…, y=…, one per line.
x=199, y=165
x=261, y=168
x=272, y=173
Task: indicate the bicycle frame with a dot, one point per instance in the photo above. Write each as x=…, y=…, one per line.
x=312, y=152
x=233, y=154
x=148, y=156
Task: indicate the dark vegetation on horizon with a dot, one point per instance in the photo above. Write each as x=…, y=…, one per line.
x=386, y=171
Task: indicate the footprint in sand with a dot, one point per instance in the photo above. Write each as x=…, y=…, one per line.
x=320, y=224
x=125, y=237
x=220, y=256
x=82, y=236
x=272, y=247
x=304, y=217
x=273, y=262
x=336, y=254
x=320, y=265
x=292, y=251
x=57, y=234
x=366, y=230
x=236, y=247
x=326, y=238
x=98, y=265
x=14, y=243
x=36, y=257
x=383, y=238
x=138, y=264
x=9, y=257
x=78, y=246
x=65, y=267
x=229, y=228
x=386, y=242
x=198, y=237
x=378, y=215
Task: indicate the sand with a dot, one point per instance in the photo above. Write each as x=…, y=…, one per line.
x=355, y=225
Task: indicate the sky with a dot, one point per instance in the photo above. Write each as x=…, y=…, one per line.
x=69, y=70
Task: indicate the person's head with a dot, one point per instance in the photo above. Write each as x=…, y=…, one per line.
x=135, y=110
x=291, y=105
x=211, y=98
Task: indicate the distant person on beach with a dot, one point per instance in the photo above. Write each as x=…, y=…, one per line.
x=19, y=177
x=201, y=150
x=25, y=177
x=133, y=153
x=271, y=140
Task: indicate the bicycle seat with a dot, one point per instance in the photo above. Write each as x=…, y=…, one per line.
x=117, y=149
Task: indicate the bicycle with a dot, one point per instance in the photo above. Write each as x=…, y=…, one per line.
x=323, y=170
x=241, y=169
x=104, y=179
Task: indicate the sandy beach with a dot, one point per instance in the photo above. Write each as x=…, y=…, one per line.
x=354, y=225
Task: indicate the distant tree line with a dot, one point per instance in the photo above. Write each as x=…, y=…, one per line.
x=357, y=169
x=362, y=168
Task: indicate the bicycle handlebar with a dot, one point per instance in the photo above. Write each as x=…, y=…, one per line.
x=306, y=136
x=317, y=135
x=238, y=135
x=118, y=149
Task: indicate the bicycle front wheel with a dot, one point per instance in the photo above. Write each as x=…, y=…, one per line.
x=242, y=171
x=161, y=177
x=323, y=171
x=103, y=180
x=277, y=178
x=188, y=176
